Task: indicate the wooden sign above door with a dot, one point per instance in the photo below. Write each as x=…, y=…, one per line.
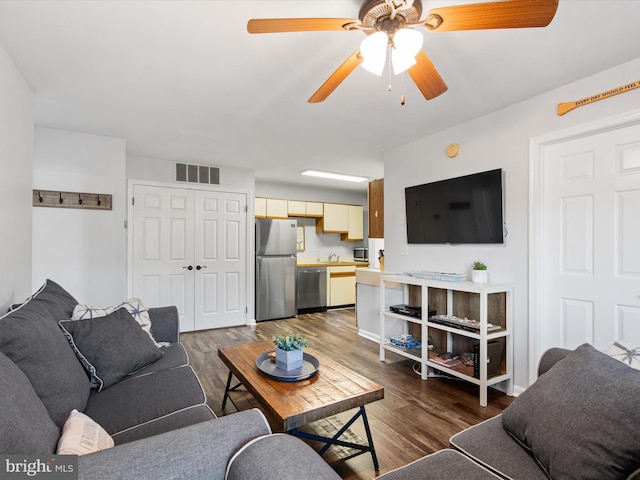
x=568, y=106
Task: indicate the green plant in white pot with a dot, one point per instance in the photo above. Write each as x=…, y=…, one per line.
x=479, y=273
x=289, y=353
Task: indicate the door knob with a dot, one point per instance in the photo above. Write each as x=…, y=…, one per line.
x=199, y=267
x=190, y=267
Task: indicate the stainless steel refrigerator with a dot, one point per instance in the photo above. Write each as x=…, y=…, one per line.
x=276, y=263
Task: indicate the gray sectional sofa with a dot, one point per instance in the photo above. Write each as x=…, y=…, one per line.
x=579, y=420
x=157, y=416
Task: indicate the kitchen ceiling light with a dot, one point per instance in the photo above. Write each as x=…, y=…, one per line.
x=334, y=176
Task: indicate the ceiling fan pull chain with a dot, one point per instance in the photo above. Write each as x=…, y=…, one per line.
x=389, y=65
x=402, y=98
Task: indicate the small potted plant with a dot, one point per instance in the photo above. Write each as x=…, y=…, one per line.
x=479, y=274
x=289, y=351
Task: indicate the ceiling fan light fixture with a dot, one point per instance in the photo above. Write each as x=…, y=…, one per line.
x=374, y=52
x=406, y=45
x=334, y=176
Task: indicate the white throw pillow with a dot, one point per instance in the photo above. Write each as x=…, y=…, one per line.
x=625, y=353
x=81, y=435
x=134, y=307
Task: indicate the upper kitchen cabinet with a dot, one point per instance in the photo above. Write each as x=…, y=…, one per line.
x=298, y=208
x=356, y=224
x=270, y=208
x=277, y=208
x=376, y=208
x=260, y=209
x=335, y=219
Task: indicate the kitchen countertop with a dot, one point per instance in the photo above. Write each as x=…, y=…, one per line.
x=321, y=263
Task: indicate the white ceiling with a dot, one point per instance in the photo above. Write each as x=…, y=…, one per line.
x=185, y=81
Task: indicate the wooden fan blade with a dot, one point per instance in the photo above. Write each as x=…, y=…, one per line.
x=484, y=16
x=426, y=77
x=337, y=77
x=278, y=25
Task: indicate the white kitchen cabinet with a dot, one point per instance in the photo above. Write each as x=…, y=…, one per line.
x=277, y=208
x=300, y=208
x=314, y=209
x=334, y=220
x=260, y=209
x=356, y=224
x=342, y=285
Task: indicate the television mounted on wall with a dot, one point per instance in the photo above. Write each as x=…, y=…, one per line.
x=459, y=210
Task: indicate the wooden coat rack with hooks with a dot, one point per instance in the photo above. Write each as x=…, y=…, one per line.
x=55, y=198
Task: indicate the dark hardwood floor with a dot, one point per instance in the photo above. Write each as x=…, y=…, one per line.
x=415, y=417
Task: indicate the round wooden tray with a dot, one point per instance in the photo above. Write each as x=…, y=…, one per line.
x=310, y=366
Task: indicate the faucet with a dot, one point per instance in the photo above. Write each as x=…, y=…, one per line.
x=332, y=255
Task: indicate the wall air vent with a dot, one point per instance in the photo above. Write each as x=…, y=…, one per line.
x=197, y=174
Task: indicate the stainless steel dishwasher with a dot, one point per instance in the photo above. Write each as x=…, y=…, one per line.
x=312, y=288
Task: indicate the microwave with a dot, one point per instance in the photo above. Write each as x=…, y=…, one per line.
x=361, y=254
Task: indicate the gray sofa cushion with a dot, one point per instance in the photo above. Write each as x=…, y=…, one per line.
x=31, y=338
x=166, y=423
x=110, y=347
x=173, y=356
x=25, y=426
x=141, y=399
x=262, y=457
x=580, y=419
x=442, y=465
x=490, y=445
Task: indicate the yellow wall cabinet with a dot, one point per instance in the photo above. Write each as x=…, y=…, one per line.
x=277, y=208
x=342, y=285
x=356, y=224
x=335, y=219
x=315, y=209
x=299, y=208
x=260, y=209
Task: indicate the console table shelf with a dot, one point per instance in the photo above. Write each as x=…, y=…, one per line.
x=473, y=300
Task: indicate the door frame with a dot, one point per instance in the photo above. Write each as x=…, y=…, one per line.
x=249, y=271
x=537, y=147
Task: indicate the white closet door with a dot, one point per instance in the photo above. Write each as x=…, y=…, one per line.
x=591, y=266
x=220, y=259
x=163, y=249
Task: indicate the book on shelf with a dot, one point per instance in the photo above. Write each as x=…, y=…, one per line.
x=447, y=359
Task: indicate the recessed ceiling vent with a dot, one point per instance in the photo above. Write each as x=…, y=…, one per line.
x=190, y=173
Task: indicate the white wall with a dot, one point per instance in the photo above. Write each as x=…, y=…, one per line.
x=82, y=250
x=497, y=140
x=16, y=161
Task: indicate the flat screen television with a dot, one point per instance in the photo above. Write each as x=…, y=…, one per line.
x=457, y=210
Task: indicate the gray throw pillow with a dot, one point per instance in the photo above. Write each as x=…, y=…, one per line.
x=31, y=338
x=110, y=347
x=25, y=426
x=581, y=418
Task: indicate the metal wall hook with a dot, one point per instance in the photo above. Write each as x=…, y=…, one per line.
x=61, y=199
x=79, y=199
x=40, y=199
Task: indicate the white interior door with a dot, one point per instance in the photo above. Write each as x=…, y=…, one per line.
x=163, y=249
x=189, y=249
x=590, y=260
x=220, y=259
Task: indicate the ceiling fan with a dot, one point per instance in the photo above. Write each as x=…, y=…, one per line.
x=387, y=18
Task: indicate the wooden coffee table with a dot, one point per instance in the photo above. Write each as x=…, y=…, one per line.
x=289, y=405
